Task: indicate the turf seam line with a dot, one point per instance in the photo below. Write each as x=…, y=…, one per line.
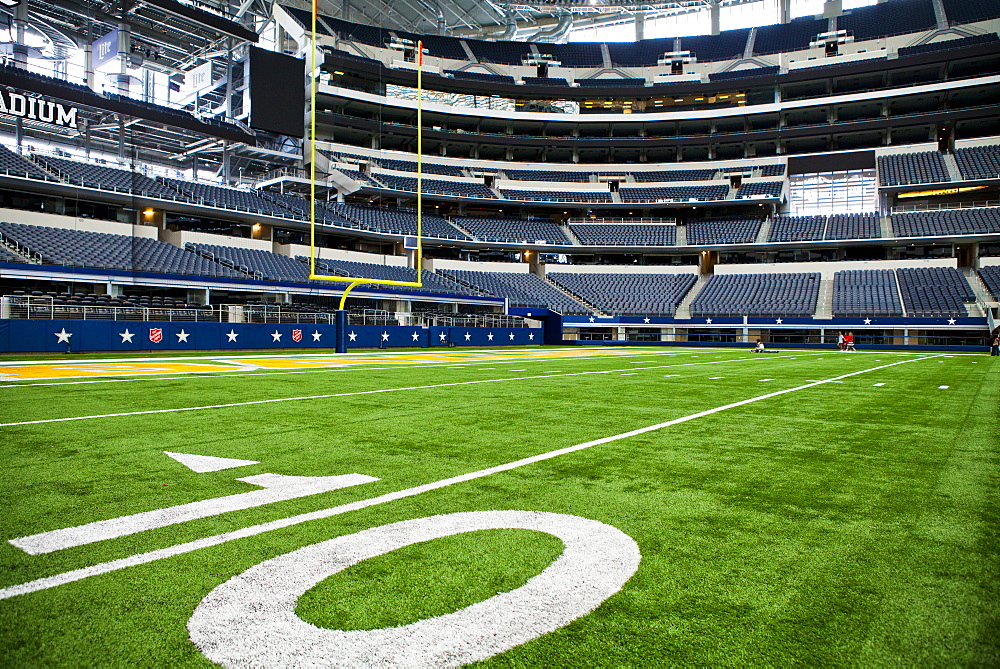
x=187, y=547
x=357, y=393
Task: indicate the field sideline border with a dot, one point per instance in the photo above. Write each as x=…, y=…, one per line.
x=190, y=546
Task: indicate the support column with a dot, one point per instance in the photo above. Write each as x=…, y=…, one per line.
x=341, y=334
x=713, y=13
x=19, y=24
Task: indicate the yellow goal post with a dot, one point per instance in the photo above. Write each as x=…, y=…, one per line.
x=354, y=281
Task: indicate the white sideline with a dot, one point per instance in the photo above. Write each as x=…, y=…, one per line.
x=366, y=392
x=180, y=549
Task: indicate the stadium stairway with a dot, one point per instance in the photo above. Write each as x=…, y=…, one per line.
x=885, y=223
x=983, y=296
x=570, y=235
x=681, y=235
x=575, y=297
x=615, y=197
x=954, y=174
x=899, y=293
x=45, y=168
x=454, y=221
x=684, y=308
x=764, y=232
x=824, y=304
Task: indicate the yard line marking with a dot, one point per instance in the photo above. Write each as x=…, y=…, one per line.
x=180, y=549
x=630, y=374
x=715, y=378
x=943, y=387
x=763, y=380
x=354, y=393
x=667, y=376
x=878, y=385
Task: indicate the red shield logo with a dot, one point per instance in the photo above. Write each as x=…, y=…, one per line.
x=156, y=335
x=296, y=335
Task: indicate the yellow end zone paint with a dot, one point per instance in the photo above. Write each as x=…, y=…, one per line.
x=224, y=364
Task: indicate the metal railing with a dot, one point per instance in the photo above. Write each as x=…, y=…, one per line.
x=940, y=206
x=45, y=308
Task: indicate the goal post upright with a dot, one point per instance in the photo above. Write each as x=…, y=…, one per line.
x=353, y=281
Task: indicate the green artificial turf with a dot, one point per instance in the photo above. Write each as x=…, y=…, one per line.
x=839, y=524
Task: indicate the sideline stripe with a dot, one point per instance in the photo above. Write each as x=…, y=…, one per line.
x=356, y=392
x=180, y=549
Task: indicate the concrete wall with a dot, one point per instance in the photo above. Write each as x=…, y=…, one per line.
x=827, y=269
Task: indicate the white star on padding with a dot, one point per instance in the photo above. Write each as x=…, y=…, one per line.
x=442, y=336
x=868, y=321
x=591, y=319
x=951, y=321
x=708, y=321
x=385, y=336
x=645, y=320
x=232, y=335
x=183, y=336
x=352, y=336
x=467, y=336
x=511, y=335
x=531, y=336
x=63, y=336
x=275, y=336
x=778, y=321
x=416, y=336
x=316, y=335
x=126, y=336
x=490, y=336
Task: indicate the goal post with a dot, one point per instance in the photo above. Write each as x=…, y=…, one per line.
x=354, y=281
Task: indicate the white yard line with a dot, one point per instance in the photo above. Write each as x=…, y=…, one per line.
x=549, y=375
x=180, y=549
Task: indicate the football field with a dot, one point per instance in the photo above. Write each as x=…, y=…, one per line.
x=516, y=507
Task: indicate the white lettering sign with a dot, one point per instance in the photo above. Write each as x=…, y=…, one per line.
x=37, y=109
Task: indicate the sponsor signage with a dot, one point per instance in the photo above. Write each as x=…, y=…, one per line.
x=105, y=48
x=200, y=77
x=156, y=335
x=36, y=109
x=296, y=335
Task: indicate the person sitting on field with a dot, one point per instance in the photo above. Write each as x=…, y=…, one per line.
x=759, y=348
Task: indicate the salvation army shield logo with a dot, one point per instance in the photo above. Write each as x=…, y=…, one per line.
x=296, y=335
x=156, y=335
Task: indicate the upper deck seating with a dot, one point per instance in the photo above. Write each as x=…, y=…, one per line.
x=982, y=220
x=979, y=162
x=866, y=292
x=796, y=228
x=934, y=291
x=555, y=195
x=77, y=248
x=271, y=266
x=854, y=226
x=108, y=178
x=912, y=168
x=674, y=193
x=628, y=294
x=601, y=234
x=521, y=290
x=529, y=230
x=723, y=231
x=758, y=295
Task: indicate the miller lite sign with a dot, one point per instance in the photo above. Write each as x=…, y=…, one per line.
x=156, y=335
x=296, y=335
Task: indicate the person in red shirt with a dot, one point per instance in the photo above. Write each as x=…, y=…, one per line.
x=849, y=342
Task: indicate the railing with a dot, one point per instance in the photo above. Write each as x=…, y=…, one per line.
x=45, y=308
x=939, y=206
x=621, y=221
